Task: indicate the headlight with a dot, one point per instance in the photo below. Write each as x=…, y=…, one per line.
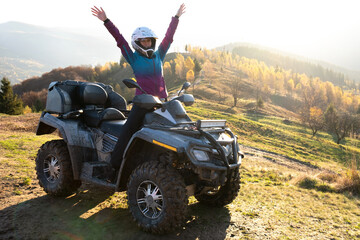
x=200, y=155
x=227, y=149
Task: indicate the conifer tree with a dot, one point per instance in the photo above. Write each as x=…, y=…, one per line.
x=197, y=68
x=9, y=102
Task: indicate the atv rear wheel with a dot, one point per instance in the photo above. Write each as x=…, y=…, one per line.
x=157, y=197
x=225, y=194
x=53, y=169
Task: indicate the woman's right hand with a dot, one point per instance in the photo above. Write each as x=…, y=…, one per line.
x=181, y=10
x=100, y=14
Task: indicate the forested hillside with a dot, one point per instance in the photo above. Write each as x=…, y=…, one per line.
x=295, y=65
x=226, y=77
x=311, y=67
x=299, y=177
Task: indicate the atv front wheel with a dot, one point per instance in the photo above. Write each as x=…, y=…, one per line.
x=225, y=194
x=53, y=169
x=157, y=197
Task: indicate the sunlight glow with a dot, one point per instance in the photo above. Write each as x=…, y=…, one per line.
x=305, y=27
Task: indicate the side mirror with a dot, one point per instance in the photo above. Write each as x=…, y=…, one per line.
x=185, y=86
x=187, y=99
x=132, y=84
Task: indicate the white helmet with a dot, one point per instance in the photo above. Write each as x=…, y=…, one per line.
x=143, y=32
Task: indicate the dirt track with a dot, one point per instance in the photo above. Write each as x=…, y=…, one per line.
x=90, y=214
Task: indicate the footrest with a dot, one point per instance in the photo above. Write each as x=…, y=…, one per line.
x=97, y=173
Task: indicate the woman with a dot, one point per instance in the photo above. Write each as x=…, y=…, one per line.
x=147, y=66
x=145, y=61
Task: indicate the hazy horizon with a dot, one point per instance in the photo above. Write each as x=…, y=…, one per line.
x=321, y=30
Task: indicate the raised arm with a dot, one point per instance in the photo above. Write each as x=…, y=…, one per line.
x=114, y=31
x=168, y=39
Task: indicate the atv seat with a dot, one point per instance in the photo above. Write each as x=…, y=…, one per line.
x=94, y=117
x=93, y=97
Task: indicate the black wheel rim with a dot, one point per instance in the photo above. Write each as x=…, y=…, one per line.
x=149, y=199
x=51, y=168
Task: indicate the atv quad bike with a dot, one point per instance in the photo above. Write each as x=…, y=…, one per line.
x=166, y=160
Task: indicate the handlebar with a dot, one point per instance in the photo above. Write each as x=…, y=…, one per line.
x=73, y=114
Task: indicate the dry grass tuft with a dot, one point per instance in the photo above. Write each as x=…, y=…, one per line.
x=331, y=182
x=20, y=123
x=313, y=182
x=350, y=182
x=328, y=177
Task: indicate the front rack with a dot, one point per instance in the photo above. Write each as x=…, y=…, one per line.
x=203, y=124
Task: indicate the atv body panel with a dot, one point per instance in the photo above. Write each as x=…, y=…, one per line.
x=167, y=157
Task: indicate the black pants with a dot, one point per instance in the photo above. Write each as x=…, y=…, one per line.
x=133, y=123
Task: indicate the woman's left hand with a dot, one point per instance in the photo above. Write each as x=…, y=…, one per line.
x=181, y=10
x=99, y=13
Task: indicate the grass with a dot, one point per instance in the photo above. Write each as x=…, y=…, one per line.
x=274, y=135
x=289, y=211
x=271, y=203
x=18, y=151
x=26, y=181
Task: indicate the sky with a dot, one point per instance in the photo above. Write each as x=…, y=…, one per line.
x=312, y=28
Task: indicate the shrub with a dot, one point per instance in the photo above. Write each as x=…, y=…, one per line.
x=27, y=109
x=350, y=182
x=308, y=182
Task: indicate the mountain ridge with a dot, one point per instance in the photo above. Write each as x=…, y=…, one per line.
x=48, y=48
x=30, y=50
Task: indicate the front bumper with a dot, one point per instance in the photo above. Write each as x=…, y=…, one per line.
x=220, y=162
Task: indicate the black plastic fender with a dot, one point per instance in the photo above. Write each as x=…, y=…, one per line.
x=79, y=142
x=181, y=144
x=164, y=139
x=48, y=124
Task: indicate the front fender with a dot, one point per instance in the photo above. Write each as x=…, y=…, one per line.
x=168, y=140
